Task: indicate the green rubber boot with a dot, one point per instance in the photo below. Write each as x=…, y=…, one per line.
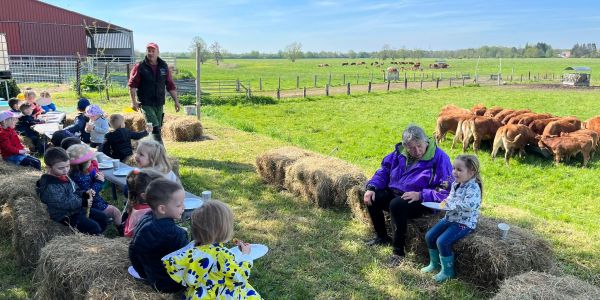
x=447, y=271
x=434, y=261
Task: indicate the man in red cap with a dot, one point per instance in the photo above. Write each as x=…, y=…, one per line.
x=147, y=82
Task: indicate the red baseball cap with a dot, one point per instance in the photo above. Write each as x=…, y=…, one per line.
x=152, y=45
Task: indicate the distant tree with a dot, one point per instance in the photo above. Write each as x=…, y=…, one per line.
x=199, y=42
x=352, y=54
x=363, y=54
x=217, y=51
x=385, y=52
x=293, y=51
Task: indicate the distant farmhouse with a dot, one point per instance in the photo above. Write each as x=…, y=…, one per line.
x=35, y=28
x=565, y=54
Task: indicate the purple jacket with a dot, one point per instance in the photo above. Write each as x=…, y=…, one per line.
x=432, y=175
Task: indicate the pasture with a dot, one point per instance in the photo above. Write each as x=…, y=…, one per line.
x=318, y=253
x=250, y=70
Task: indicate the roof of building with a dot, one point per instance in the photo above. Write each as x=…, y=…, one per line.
x=579, y=69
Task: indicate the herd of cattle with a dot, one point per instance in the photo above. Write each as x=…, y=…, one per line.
x=512, y=130
x=410, y=65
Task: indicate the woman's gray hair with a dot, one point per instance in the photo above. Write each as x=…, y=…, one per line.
x=414, y=133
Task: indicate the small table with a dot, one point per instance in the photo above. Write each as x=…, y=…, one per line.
x=53, y=117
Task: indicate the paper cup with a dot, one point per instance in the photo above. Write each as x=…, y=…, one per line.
x=149, y=124
x=116, y=163
x=206, y=195
x=60, y=126
x=504, y=228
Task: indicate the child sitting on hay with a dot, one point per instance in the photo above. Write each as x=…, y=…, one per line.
x=460, y=220
x=157, y=234
x=25, y=127
x=117, y=143
x=97, y=126
x=87, y=176
x=137, y=207
x=11, y=148
x=80, y=121
x=66, y=203
x=198, y=268
x=151, y=154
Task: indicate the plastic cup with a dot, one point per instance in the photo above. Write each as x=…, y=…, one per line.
x=206, y=195
x=116, y=163
x=504, y=228
x=149, y=124
x=99, y=157
x=60, y=126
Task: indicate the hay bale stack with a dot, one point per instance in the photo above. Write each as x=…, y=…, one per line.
x=6, y=220
x=135, y=121
x=271, y=165
x=32, y=228
x=82, y=266
x=481, y=257
x=539, y=286
x=17, y=182
x=357, y=205
x=323, y=181
x=182, y=130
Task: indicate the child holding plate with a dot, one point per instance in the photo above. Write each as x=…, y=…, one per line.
x=463, y=205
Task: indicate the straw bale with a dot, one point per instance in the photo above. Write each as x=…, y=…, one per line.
x=182, y=130
x=540, y=286
x=135, y=121
x=69, y=119
x=357, y=205
x=482, y=257
x=17, y=182
x=271, y=165
x=32, y=229
x=323, y=181
x=27, y=142
x=6, y=220
x=82, y=266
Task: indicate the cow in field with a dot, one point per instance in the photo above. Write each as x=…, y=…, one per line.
x=555, y=128
x=478, y=109
x=344, y=64
x=564, y=147
x=586, y=133
x=505, y=112
x=492, y=112
x=479, y=128
x=538, y=125
x=514, y=114
x=446, y=123
x=528, y=119
x=593, y=124
x=513, y=137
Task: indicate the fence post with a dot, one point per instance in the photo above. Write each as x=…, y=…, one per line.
x=344, y=82
x=521, y=77
x=106, y=81
x=237, y=85
x=463, y=81
x=357, y=76
x=388, y=87
x=348, y=91
x=437, y=83
x=279, y=83
x=405, y=82
x=538, y=77
x=315, y=81
x=369, y=90
x=78, y=78
x=278, y=94
x=421, y=82
x=260, y=84
x=327, y=90
x=304, y=92
x=297, y=82
x=529, y=76
x=329, y=82
x=450, y=81
x=127, y=67
x=198, y=90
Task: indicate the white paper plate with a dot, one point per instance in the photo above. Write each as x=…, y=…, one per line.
x=133, y=273
x=105, y=165
x=191, y=203
x=122, y=171
x=256, y=251
x=434, y=205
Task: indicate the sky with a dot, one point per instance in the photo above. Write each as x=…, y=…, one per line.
x=331, y=25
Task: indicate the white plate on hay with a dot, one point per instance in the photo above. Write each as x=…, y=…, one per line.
x=105, y=165
x=122, y=171
x=133, y=273
x=434, y=205
x=192, y=203
x=256, y=251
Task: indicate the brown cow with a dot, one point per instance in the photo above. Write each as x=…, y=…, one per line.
x=538, y=125
x=514, y=114
x=513, y=137
x=478, y=109
x=593, y=124
x=555, y=128
x=526, y=120
x=480, y=128
x=586, y=133
x=493, y=111
x=453, y=109
x=505, y=112
x=564, y=147
x=448, y=123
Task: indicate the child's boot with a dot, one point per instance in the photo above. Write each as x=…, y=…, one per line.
x=434, y=261
x=447, y=271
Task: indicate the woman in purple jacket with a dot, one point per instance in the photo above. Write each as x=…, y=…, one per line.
x=417, y=171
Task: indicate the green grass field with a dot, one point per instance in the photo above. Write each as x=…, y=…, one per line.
x=250, y=70
x=318, y=253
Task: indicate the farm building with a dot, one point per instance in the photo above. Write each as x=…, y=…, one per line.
x=35, y=28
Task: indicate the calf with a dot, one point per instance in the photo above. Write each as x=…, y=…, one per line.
x=514, y=114
x=448, y=123
x=453, y=109
x=555, y=128
x=563, y=147
x=526, y=120
x=480, y=128
x=593, y=124
x=512, y=137
x=538, y=125
x=493, y=111
x=505, y=112
x=586, y=133
x=478, y=109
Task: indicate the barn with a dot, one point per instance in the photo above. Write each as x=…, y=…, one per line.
x=35, y=28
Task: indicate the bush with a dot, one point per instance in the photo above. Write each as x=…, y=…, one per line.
x=189, y=99
x=13, y=89
x=183, y=74
x=90, y=83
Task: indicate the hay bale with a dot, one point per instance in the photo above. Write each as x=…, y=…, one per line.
x=69, y=119
x=357, y=205
x=6, y=220
x=17, y=182
x=182, y=130
x=82, y=266
x=323, y=181
x=539, y=286
x=135, y=121
x=481, y=257
x=27, y=142
x=32, y=228
x=271, y=165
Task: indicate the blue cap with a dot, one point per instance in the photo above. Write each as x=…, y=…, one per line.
x=82, y=104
